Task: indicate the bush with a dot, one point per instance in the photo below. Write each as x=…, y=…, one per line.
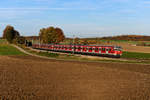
x=20, y=40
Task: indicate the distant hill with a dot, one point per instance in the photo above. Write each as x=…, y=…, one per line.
x=124, y=37
x=129, y=38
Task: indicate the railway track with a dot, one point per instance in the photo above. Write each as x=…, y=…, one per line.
x=91, y=58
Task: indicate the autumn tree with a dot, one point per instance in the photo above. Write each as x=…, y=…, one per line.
x=51, y=35
x=10, y=33
x=60, y=35
x=16, y=34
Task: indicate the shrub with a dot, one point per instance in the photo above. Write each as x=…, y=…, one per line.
x=20, y=40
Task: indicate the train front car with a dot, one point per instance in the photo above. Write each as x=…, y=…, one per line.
x=118, y=51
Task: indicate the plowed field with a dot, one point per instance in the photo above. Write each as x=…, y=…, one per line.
x=31, y=78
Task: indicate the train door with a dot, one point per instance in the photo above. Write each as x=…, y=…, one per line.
x=72, y=47
x=93, y=50
x=107, y=51
x=81, y=49
x=87, y=49
x=100, y=50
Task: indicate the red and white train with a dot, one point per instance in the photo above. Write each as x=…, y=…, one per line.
x=115, y=51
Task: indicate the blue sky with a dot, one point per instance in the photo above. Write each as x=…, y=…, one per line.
x=82, y=18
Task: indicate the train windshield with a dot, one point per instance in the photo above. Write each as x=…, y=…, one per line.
x=118, y=48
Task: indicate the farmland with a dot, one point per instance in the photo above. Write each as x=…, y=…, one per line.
x=31, y=78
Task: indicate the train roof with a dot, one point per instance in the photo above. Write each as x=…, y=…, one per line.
x=87, y=45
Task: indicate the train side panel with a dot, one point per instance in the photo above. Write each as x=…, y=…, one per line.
x=96, y=50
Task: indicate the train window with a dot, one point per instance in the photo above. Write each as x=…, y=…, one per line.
x=107, y=49
x=100, y=49
x=79, y=48
x=117, y=49
x=90, y=48
x=103, y=49
x=96, y=49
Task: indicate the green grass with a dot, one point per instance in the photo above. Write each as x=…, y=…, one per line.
x=2, y=41
x=136, y=55
x=48, y=54
x=6, y=49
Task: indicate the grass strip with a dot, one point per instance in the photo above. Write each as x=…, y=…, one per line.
x=6, y=49
x=136, y=55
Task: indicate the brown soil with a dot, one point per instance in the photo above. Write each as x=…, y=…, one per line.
x=41, y=79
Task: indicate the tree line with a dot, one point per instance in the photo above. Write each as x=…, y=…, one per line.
x=46, y=35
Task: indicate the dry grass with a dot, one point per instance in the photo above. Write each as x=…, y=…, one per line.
x=130, y=47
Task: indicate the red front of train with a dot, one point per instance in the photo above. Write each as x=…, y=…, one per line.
x=82, y=49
